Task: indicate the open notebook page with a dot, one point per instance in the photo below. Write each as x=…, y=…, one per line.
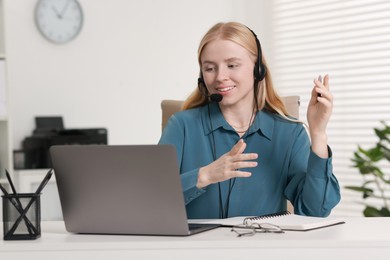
x=286, y=222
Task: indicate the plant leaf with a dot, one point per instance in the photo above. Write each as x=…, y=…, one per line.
x=371, y=212
x=374, y=212
x=367, y=182
x=375, y=154
x=386, y=152
x=367, y=169
x=366, y=192
x=385, y=212
x=360, y=189
x=383, y=133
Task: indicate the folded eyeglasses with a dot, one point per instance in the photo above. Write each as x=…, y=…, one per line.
x=252, y=228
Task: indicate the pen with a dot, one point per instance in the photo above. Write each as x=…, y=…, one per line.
x=10, y=182
x=3, y=190
x=44, y=181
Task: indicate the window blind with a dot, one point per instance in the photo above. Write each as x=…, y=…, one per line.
x=350, y=41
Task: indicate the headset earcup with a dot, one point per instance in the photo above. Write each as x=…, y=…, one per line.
x=262, y=72
x=202, y=86
x=259, y=72
x=200, y=81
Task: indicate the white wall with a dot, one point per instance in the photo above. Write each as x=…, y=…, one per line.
x=128, y=57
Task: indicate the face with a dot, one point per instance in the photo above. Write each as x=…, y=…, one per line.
x=228, y=70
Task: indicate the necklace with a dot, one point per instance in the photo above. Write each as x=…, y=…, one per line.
x=247, y=128
x=242, y=131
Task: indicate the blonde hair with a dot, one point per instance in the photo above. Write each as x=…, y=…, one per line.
x=267, y=98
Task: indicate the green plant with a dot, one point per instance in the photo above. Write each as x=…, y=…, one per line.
x=370, y=163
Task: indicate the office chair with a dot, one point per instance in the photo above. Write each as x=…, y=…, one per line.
x=169, y=107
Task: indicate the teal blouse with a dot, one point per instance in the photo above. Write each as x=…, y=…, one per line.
x=287, y=168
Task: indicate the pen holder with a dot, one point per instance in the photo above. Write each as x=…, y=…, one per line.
x=21, y=216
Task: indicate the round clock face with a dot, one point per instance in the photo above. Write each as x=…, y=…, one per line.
x=59, y=20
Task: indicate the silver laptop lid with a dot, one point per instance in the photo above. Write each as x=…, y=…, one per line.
x=133, y=189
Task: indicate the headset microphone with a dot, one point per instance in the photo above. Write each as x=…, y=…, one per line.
x=203, y=90
x=216, y=98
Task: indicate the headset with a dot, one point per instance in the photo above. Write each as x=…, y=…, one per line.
x=259, y=71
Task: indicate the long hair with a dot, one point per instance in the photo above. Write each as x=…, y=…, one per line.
x=265, y=94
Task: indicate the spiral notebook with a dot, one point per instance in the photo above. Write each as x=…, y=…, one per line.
x=285, y=220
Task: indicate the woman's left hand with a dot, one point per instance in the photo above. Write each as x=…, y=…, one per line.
x=318, y=114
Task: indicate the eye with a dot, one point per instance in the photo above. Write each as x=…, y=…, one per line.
x=209, y=69
x=233, y=66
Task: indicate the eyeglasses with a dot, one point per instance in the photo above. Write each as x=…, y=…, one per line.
x=253, y=228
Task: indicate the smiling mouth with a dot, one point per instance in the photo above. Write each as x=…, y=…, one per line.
x=225, y=89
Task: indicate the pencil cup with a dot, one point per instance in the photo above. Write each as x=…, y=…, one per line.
x=21, y=216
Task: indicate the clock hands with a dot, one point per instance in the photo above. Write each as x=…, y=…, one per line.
x=60, y=15
x=57, y=13
x=65, y=8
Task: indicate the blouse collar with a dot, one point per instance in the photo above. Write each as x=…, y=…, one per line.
x=212, y=120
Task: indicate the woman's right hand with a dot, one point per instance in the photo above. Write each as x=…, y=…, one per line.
x=227, y=166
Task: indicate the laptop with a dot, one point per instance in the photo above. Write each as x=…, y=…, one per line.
x=129, y=189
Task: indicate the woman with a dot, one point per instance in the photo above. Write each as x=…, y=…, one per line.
x=244, y=155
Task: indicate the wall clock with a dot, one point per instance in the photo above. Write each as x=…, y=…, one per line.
x=59, y=21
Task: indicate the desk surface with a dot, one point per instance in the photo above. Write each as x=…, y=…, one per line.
x=358, y=238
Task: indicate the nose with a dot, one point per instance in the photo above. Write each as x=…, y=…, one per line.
x=222, y=74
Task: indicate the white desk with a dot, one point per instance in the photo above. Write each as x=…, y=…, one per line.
x=359, y=238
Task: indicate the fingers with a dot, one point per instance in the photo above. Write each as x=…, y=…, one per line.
x=239, y=174
x=326, y=81
x=244, y=162
x=243, y=158
x=237, y=159
x=234, y=172
x=240, y=161
x=228, y=166
x=238, y=148
x=321, y=91
x=320, y=105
